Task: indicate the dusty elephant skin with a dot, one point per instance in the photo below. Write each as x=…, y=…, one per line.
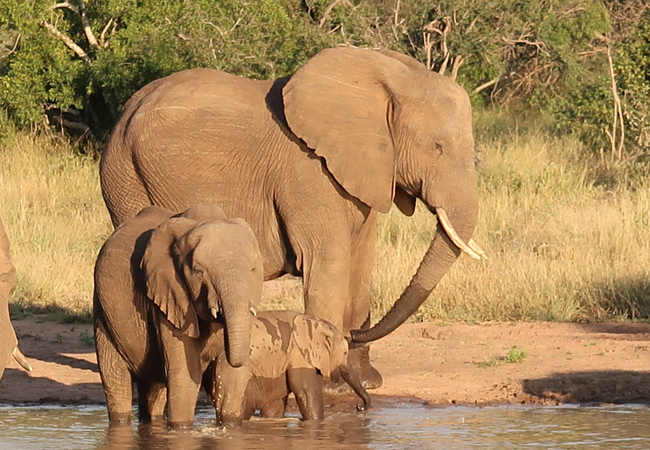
x=309, y=161
x=290, y=353
x=8, y=340
x=160, y=281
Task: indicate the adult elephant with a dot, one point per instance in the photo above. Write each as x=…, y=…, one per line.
x=309, y=161
x=8, y=340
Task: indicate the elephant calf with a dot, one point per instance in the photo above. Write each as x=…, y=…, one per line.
x=161, y=283
x=290, y=352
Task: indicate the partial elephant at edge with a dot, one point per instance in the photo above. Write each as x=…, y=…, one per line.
x=8, y=340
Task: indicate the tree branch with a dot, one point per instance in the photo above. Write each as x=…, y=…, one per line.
x=67, y=5
x=102, y=36
x=86, y=25
x=487, y=85
x=329, y=8
x=81, y=12
x=455, y=65
x=66, y=40
x=618, y=112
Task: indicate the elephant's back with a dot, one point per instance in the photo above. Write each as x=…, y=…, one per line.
x=195, y=91
x=270, y=343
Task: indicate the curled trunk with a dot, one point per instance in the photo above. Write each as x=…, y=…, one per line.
x=436, y=262
x=351, y=377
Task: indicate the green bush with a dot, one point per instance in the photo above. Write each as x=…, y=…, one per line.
x=546, y=57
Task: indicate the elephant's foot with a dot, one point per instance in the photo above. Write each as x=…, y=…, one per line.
x=118, y=418
x=178, y=425
x=360, y=362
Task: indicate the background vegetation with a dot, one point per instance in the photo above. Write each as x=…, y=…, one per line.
x=560, y=90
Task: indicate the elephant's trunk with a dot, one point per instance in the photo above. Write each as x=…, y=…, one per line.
x=237, y=317
x=438, y=259
x=351, y=377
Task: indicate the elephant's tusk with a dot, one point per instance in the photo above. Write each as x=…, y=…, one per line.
x=214, y=312
x=474, y=246
x=253, y=312
x=20, y=359
x=443, y=218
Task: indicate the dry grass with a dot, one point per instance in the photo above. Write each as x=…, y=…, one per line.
x=55, y=219
x=560, y=248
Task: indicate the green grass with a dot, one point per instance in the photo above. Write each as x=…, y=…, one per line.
x=514, y=356
x=562, y=246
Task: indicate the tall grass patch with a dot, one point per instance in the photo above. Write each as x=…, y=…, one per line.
x=560, y=248
x=51, y=205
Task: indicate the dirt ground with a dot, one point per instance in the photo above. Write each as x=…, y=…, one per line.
x=439, y=364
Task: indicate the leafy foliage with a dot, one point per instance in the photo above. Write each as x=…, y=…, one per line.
x=547, y=56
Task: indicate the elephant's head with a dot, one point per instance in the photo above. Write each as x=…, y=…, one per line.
x=325, y=348
x=201, y=265
x=391, y=131
x=319, y=344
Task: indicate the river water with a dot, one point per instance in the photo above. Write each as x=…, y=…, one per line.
x=394, y=425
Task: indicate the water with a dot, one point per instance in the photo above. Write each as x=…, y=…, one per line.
x=389, y=426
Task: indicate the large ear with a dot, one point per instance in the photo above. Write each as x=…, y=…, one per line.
x=341, y=103
x=203, y=213
x=319, y=342
x=164, y=285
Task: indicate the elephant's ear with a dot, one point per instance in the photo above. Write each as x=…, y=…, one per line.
x=203, y=213
x=164, y=285
x=319, y=343
x=341, y=103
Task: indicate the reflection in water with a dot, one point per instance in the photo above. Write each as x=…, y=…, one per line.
x=390, y=426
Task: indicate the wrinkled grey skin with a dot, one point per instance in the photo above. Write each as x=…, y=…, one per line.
x=290, y=352
x=159, y=282
x=308, y=161
x=8, y=340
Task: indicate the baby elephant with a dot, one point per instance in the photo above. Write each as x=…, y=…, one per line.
x=290, y=352
x=165, y=285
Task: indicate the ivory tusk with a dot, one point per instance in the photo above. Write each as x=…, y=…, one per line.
x=213, y=312
x=20, y=359
x=474, y=246
x=253, y=312
x=443, y=218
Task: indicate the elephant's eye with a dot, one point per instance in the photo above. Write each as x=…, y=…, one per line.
x=198, y=273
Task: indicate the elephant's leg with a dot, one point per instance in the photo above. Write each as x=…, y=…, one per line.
x=357, y=313
x=115, y=375
x=152, y=399
x=183, y=369
x=307, y=386
x=230, y=390
x=274, y=409
x=325, y=283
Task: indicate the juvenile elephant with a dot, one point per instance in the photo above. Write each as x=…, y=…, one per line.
x=160, y=282
x=8, y=340
x=290, y=352
x=309, y=161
